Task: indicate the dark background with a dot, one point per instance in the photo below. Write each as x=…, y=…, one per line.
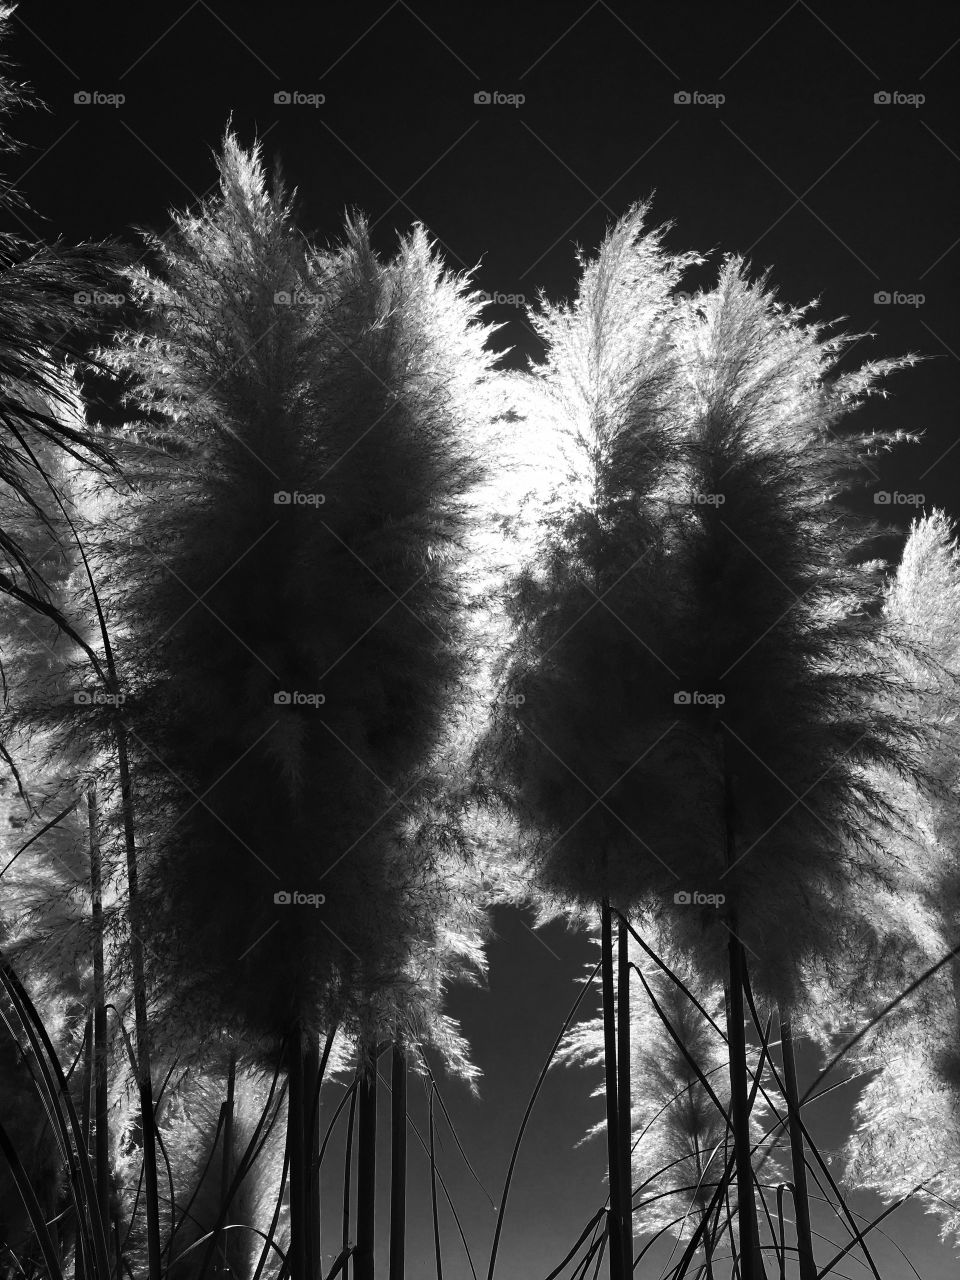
x=799, y=170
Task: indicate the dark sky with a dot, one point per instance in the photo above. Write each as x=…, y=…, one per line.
x=799, y=168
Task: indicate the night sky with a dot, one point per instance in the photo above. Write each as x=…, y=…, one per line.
x=798, y=167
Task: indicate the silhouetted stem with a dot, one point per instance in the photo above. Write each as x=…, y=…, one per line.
x=624, y=1109
x=226, y=1163
x=614, y=1165
x=100, y=1047
x=85, y=1090
x=433, y=1195
x=142, y=1026
x=299, y=1177
x=801, y=1199
x=398, y=1158
x=348, y=1162
x=363, y=1258
x=311, y=1140
x=145, y=1086
x=751, y=1257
